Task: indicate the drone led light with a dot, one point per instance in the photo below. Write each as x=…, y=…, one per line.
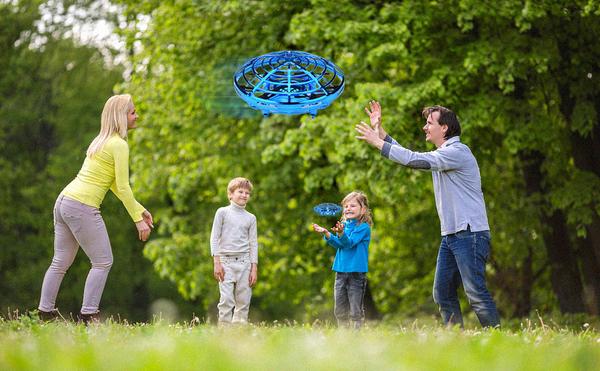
x=289, y=82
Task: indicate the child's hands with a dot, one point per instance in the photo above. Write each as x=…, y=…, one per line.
x=253, y=275
x=339, y=228
x=218, y=271
x=320, y=229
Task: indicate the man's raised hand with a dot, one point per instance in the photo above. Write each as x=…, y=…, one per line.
x=369, y=135
x=374, y=112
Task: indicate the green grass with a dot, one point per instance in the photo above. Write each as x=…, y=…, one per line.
x=29, y=345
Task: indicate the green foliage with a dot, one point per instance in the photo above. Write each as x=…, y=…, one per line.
x=521, y=75
x=498, y=64
x=52, y=95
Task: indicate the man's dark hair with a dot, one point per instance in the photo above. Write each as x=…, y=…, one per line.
x=447, y=117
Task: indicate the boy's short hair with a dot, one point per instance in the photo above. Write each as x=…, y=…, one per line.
x=239, y=182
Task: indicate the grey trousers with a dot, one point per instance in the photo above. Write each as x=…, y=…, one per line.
x=77, y=224
x=235, y=290
x=349, y=292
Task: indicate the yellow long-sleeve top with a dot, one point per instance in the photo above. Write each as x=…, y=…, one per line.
x=108, y=168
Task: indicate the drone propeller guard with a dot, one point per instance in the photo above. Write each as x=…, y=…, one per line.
x=289, y=82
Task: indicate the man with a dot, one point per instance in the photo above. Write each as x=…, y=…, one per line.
x=465, y=244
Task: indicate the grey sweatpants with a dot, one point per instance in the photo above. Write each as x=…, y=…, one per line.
x=77, y=224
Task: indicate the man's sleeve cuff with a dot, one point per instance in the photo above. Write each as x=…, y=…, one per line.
x=385, y=150
x=388, y=139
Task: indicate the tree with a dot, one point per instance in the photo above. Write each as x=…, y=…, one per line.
x=527, y=113
x=52, y=91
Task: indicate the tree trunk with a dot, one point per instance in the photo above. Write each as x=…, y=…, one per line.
x=585, y=149
x=586, y=155
x=564, y=272
x=523, y=298
x=591, y=277
x=515, y=285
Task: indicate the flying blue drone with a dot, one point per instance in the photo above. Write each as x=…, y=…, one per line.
x=328, y=209
x=289, y=82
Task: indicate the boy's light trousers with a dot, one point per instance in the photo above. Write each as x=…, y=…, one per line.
x=235, y=290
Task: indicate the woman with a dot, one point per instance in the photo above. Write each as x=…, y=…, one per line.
x=77, y=219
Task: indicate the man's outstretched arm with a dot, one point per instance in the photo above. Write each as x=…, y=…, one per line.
x=389, y=148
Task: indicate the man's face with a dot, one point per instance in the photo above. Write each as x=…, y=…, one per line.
x=434, y=132
x=240, y=196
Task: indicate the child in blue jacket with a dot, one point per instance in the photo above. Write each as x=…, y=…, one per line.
x=351, y=239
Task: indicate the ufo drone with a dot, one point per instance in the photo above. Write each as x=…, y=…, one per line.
x=327, y=209
x=288, y=82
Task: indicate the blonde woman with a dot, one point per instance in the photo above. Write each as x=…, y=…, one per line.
x=77, y=219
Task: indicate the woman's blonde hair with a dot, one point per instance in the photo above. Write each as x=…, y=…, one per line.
x=114, y=120
x=362, y=200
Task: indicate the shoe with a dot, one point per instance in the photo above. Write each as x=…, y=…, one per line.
x=88, y=318
x=53, y=315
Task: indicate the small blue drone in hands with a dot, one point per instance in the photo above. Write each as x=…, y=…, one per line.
x=289, y=82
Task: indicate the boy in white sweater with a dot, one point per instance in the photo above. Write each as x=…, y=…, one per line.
x=234, y=247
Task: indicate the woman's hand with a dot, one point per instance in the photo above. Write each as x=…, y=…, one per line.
x=148, y=218
x=143, y=230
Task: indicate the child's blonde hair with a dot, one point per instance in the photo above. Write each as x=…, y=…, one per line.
x=239, y=182
x=363, y=201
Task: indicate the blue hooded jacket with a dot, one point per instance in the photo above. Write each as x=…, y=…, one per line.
x=352, y=249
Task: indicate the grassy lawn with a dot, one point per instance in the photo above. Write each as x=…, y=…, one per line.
x=29, y=345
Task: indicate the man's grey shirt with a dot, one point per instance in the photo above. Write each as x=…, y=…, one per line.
x=456, y=182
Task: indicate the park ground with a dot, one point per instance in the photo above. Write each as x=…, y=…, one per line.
x=537, y=344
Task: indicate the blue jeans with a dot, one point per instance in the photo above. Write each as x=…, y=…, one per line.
x=461, y=259
x=349, y=292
